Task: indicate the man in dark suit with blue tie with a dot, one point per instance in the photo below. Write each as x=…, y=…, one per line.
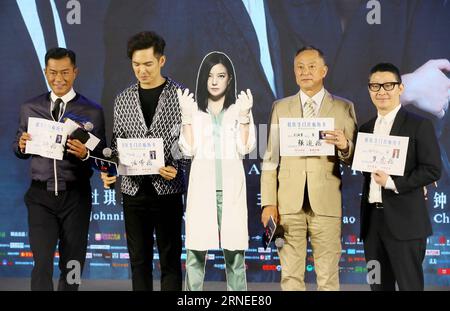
x=394, y=218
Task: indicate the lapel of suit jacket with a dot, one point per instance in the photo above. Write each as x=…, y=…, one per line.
x=275, y=54
x=370, y=127
x=307, y=14
x=238, y=12
x=326, y=106
x=243, y=23
x=357, y=27
x=358, y=15
x=295, y=106
x=398, y=122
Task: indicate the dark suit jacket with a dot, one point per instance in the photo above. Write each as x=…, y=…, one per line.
x=351, y=53
x=406, y=213
x=429, y=39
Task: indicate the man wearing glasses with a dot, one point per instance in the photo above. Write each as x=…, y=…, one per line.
x=394, y=216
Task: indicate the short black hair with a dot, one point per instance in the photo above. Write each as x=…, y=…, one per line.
x=312, y=48
x=386, y=67
x=59, y=53
x=202, y=93
x=145, y=40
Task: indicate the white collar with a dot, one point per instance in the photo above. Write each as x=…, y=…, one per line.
x=389, y=117
x=66, y=98
x=317, y=98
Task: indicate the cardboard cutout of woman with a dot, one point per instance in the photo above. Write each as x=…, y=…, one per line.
x=217, y=133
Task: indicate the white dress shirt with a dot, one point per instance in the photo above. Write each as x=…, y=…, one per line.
x=383, y=126
x=317, y=98
x=65, y=99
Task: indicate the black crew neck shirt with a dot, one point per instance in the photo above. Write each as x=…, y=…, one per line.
x=149, y=101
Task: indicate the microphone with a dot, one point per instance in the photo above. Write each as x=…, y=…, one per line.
x=88, y=126
x=107, y=153
x=279, y=236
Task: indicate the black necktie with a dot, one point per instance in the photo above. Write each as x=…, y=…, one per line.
x=48, y=24
x=57, y=108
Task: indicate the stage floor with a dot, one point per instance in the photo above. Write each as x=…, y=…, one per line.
x=23, y=284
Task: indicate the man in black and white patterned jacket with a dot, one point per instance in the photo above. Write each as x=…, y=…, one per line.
x=151, y=203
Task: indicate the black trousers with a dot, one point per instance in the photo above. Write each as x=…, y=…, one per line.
x=145, y=213
x=63, y=218
x=399, y=260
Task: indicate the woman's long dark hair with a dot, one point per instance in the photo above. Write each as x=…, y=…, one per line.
x=201, y=90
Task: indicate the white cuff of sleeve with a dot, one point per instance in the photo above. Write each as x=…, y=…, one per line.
x=87, y=156
x=244, y=119
x=390, y=185
x=186, y=120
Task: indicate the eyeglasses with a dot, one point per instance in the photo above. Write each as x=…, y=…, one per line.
x=387, y=86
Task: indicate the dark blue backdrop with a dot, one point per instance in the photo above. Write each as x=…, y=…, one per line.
x=409, y=33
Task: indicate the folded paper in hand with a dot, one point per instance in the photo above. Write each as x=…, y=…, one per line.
x=269, y=231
